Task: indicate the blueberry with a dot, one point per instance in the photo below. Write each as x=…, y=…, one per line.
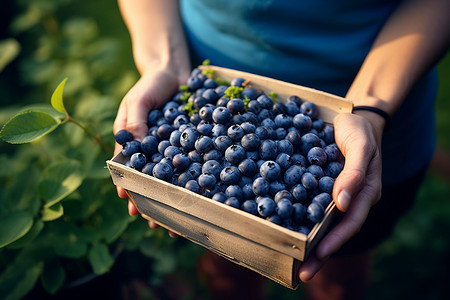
x=266, y=206
x=294, y=137
x=309, y=181
x=188, y=138
x=262, y=132
x=251, y=142
x=250, y=117
x=212, y=167
x=203, y=144
x=268, y=123
x=157, y=157
x=205, y=113
x=219, y=197
x=279, y=108
x=333, y=169
x=326, y=184
x=184, y=177
x=265, y=102
x=249, y=93
x=292, y=108
x=130, y=148
x=149, y=145
x=317, y=156
x=316, y=170
x=237, y=81
x=195, y=156
x=284, y=208
x=210, y=83
x=164, y=131
x=210, y=94
x=234, y=191
x=303, y=229
x=299, y=193
x=162, y=146
x=283, y=121
x=323, y=199
x=275, y=219
x=174, y=138
x=261, y=187
x=170, y=114
x=310, y=109
x=270, y=170
x=230, y=175
x=138, y=160
x=222, y=101
x=199, y=102
x=247, y=167
x=235, y=154
x=308, y=141
x=333, y=152
x=275, y=187
x=280, y=133
x=235, y=132
x=293, y=175
x=212, y=155
x=248, y=127
x=299, y=213
x=250, y=206
x=298, y=159
x=328, y=134
x=206, y=181
x=181, y=161
x=171, y=151
x=123, y=136
x=237, y=119
x=221, y=115
x=219, y=130
x=193, y=186
x=254, y=107
x=315, y=212
x=163, y=171
x=153, y=116
x=222, y=142
x=233, y=202
x=195, y=119
x=148, y=168
x=265, y=114
x=247, y=191
x=284, y=160
x=235, y=105
x=205, y=128
x=268, y=150
x=253, y=155
x=302, y=122
x=283, y=194
x=195, y=169
x=194, y=83
x=220, y=90
x=285, y=146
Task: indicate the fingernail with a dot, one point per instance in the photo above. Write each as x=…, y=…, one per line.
x=344, y=199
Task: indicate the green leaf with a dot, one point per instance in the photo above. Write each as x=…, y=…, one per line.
x=60, y=180
x=100, y=258
x=29, y=236
x=28, y=126
x=53, y=212
x=53, y=276
x=23, y=283
x=9, y=49
x=14, y=226
x=57, y=97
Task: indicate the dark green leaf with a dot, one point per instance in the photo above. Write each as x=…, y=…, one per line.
x=60, y=180
x=28, y=126
x=9, y=49
x=100, y=259
x=14, y=226
x=29, y=236
x=24, y=281
x=53, y=276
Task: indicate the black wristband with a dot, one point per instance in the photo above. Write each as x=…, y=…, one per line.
x=380, y=112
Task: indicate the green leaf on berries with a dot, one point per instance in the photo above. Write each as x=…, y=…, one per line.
x=60, y=180
x=53, y=276
x=14, y=225
x=273, y=96
x=233, y=92
x=57, y=97
x=206, y=62
x=28, y=126
x=100, y=258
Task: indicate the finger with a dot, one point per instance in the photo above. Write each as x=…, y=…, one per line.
x=137, y=120
x=132, y=210
x=152, y=225
x=310, y=267
x=172, y=234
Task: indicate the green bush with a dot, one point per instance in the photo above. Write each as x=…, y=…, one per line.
x=60, y=216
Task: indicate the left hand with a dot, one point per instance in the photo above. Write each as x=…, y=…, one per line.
x=357, y=188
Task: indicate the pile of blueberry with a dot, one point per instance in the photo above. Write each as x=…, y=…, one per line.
x=235, y=145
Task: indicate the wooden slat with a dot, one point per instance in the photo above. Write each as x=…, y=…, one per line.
x=329, y=105
x=242, y=251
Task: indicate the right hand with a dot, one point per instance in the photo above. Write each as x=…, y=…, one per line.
x=151, y=91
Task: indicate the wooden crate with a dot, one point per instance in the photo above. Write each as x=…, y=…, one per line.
x=247, y=240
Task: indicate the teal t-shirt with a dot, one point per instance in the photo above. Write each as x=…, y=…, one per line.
x=314, y=43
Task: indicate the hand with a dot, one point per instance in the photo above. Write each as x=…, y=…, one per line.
x=357, y=188
x=151, y=91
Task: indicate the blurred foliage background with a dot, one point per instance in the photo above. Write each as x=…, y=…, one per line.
x=87, y=241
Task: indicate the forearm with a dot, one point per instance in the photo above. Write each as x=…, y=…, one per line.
x=157, y=35
x=415, y=36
